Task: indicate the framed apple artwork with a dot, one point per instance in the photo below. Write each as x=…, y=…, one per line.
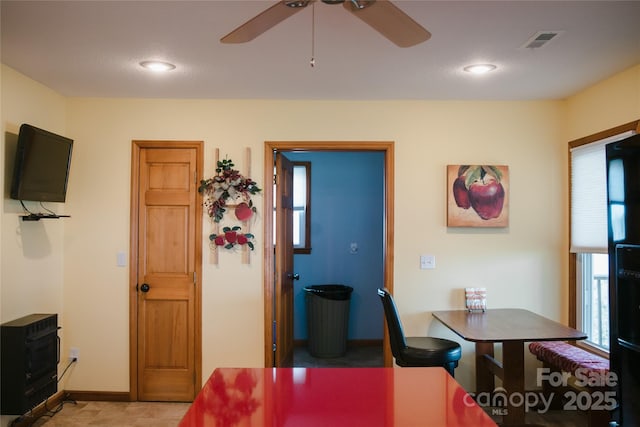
x=477, y=196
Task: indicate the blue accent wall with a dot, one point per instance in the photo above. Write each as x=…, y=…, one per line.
x=347, y=206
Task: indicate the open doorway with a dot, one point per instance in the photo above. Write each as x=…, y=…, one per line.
x=345, y=247
x=281, y=336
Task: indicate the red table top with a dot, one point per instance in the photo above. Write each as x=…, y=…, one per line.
x=336, y=397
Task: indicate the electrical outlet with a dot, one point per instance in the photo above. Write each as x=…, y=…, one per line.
x=74, y=353
x=427, y=262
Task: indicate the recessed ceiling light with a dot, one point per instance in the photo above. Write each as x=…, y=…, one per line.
x=479, y=68
x=157, y=66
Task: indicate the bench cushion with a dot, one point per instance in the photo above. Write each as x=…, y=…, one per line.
x=568, y=357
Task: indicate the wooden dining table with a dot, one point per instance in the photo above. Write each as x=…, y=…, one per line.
x=336, y=397
x=512, y=327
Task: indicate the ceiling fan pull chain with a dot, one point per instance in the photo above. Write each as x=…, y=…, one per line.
x=313, y=35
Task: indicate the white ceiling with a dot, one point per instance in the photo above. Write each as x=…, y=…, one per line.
x=92, y=49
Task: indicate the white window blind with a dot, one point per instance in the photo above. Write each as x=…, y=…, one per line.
x=589, y=196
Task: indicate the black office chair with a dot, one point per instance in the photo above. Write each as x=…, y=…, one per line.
x=417, y=351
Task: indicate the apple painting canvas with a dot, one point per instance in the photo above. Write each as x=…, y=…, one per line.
x=477, y=196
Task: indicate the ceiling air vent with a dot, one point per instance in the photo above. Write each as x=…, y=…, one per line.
x=541, y=39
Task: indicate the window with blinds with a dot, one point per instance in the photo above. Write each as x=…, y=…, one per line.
x=589, y=238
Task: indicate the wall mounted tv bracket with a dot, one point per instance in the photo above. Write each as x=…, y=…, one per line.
x=39, y=216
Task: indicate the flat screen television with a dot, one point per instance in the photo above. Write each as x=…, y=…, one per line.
x=41, y=168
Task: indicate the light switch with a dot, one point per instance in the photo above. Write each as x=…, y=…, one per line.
x=427, y=262
x=121, y=259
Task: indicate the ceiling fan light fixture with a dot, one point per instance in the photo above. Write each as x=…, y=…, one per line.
x=361, y=4
x=157, y=66
x=479, y=68
x=381, y=15
x=297, y=3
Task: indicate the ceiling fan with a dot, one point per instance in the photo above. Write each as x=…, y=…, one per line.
x=382, y=15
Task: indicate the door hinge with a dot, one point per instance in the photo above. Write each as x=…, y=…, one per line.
x=275, y=331
x=275, y=179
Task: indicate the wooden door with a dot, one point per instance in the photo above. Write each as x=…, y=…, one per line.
x=169, y=219
x=284, y=274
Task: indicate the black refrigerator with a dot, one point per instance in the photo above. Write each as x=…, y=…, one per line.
x=623, y=196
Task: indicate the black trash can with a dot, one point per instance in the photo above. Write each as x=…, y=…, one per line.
x=327, y=319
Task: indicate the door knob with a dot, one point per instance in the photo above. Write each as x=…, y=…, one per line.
x=145, y=287
x=293, y=276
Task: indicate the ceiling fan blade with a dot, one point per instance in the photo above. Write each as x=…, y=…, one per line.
x=389, y=20
x=265, y=20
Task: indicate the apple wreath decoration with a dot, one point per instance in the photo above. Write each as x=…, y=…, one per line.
x=479, y=187
x=228, y=187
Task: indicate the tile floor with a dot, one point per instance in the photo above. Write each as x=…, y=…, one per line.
x=357, y=356
x=116, y=414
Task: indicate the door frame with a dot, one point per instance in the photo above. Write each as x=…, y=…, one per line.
x=387, y=147
x=136, y=147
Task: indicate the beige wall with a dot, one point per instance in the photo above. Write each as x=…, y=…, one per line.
x=607, y=104
x=523, y=265
x=31, y=272
x=32, y=252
